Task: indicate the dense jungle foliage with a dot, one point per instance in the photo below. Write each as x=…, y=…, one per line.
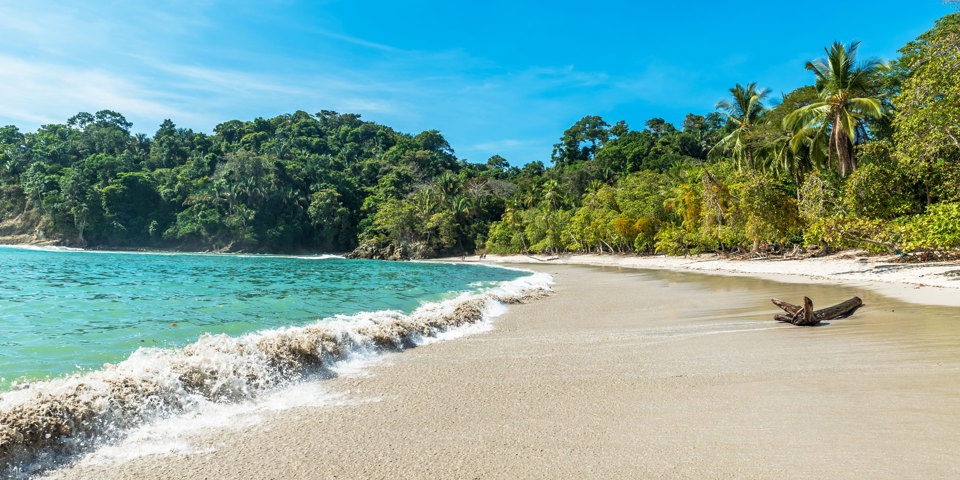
x=866, y=156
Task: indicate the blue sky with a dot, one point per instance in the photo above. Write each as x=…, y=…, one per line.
x=494, y=77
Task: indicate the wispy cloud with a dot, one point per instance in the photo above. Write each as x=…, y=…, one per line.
x=40, y=92
x=201, y=62
x=354, y=40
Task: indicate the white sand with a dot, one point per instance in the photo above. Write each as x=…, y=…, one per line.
x=927, y=283
x=622, y=374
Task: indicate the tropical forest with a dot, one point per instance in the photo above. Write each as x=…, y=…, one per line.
x=864, y=156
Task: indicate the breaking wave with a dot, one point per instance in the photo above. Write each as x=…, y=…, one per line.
x=48, y=422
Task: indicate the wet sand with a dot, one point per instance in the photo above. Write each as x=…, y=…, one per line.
x=626, y=374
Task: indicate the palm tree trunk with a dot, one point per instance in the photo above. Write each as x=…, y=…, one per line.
x=844, y=147
x=750, y=157
x=795, y=167
x=841, y=166
x=851, y=157
x=830, y=149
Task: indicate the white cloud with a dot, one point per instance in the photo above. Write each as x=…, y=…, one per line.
x=39, y=92
x=353, y=40
x=147, y=63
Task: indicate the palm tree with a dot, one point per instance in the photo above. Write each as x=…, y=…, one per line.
x=840, y=110
x=447, y=184
x=552, y=194
x=252, y=192
x=532, y=197
x=513, y=217
x=461, y=207
x=676, y=200
x=793, y=152
x=426, y=202
x=743, y=113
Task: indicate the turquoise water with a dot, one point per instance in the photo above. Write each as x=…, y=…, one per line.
x=65, y=311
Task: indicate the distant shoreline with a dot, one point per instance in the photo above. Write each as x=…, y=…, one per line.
x=12, y=241
x=930, y=283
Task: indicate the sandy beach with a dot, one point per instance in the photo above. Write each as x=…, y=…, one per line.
x=936, y=283
x=623, y=374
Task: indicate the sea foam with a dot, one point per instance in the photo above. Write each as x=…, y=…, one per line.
x=46, y=423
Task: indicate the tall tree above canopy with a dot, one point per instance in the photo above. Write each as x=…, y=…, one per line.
x=841, y=109
x=743, y=111
x=590, y=129
x=658, y=126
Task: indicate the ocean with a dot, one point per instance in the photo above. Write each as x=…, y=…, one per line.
x=93, y=344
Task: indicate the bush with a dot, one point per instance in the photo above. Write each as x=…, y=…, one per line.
x=848, y=232
x=936, y=229
x=770, y=215
x=646, y=229
x=819, y=198
x=876, y=191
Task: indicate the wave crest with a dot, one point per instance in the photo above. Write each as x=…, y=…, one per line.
x=49, y=421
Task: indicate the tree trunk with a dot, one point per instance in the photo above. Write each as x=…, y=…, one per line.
x=847, y=144
x=795, y=170
x=844, y=148
x=830, y=148
x=841, y=162
x=805, y=316
x=80, y=228
x=807, y=313
x=799, y=185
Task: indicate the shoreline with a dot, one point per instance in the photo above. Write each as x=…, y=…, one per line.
x=29, y=241
x=924, y=283
x=619, y=374
x=153, y=383
x=154, y=251
x=928, y=283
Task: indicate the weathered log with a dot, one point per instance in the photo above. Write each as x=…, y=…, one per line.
x=840, y=310
x=787, y=307
x=805, y=316
x=797, y=320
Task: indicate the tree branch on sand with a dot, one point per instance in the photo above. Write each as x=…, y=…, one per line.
x=805, y=316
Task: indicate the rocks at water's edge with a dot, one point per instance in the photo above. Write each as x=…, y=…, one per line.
x=403, y=251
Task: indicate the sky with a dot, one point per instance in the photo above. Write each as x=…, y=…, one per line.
x=495, y=77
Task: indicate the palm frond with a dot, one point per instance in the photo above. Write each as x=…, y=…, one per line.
x=870, y=107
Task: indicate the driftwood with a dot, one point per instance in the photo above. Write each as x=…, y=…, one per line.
x=805, y=316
